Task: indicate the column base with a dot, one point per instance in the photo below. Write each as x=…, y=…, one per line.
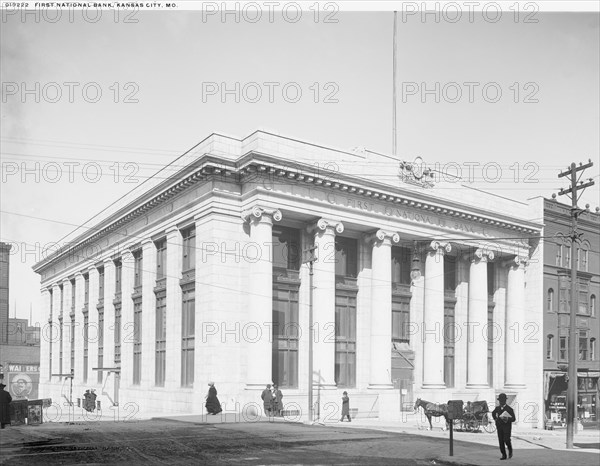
x=434, y=386
x=380, y=386
x=478, y=386
x=514, y=386
x=256, y=386
x=325, y=386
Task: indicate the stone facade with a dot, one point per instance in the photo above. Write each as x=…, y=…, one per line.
x=412, y=288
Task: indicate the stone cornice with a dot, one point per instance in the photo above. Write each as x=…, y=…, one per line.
x=253, y=165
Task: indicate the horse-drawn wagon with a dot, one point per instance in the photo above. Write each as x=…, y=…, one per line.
x=475, y=415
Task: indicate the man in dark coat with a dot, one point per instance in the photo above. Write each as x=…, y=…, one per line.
x=267, y=397
x=345, y=407
x=277, y=401
x=5, y=400
x=504, y=417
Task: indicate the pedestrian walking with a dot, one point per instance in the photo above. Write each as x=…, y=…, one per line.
x=345, y=407
x=212, y=402
x=5, y=400
x=504, y=417
x=87, y=401
x=277, y=401
x=93, y=397
x=267, y=397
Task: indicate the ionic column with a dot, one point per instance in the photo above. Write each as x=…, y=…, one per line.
x=56, y=319
x=93, y=329
x=79, y=297
x=148, y=312
x=260, y=309
x=477, y=350
x=109, y=314
x=45, y=342
x=324, y=301
x=127, y=337
x=67, y=290
x=433, y=316
x=381, y=309
x=173, y=301
x=515, y=317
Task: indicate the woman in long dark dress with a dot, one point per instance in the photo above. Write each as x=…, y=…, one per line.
x=212, y=402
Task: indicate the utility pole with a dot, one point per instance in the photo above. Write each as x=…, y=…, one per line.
x=310, y=258
x=394, y=64
x=574, y=192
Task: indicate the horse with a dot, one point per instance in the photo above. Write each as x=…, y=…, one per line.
x=433, y=409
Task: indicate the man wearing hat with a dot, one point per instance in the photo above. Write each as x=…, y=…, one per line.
x=504, y=417
x=5, y=399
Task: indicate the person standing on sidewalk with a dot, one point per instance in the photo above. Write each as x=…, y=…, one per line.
x=504, y=417
x=267, y=397
x=5, y=400
x=345, y=407
x=277, y=401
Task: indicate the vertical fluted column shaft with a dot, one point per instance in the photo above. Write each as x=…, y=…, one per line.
x=477, y=347
x=515, y=315
x=381, y=309
x=433, y=316
x=148, y=312
x=324, y=301
x=261, y=297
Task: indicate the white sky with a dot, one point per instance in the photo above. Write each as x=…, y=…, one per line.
x=169, y=55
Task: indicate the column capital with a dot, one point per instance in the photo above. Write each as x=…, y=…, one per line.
x=439, y=246
x=108, y=262
x=258, y=213
x=383, y=236
x=483, y=254
x=127, y=256
x=327, y=226
x=78, y=274
x=55, y=285
x=517, y=262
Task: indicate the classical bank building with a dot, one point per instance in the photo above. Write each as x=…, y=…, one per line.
x=421, y=287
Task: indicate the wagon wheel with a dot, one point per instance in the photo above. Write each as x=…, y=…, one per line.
x=470, y=422
x=456, y=424
x=488, y=423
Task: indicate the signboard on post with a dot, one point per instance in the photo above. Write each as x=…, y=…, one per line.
x=455, y=411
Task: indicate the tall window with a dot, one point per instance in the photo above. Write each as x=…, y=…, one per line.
x=449, y=342
x=86, y=290
x=73, y=292
x=593, y=305
x=137, y=268
x=161, y=338
x=286, y=285
x=285, y=335
x=72, y=338
x=189, y=249
x=346, y=267
x=86, y=326
x=346, y=263
x=592, y=349
x=401, y=319
x=118, y=277
x=286, y=248
x=161, y=259
x=51, y=336
x=100, y=342
x=101, y=284
x=345, y=339
x=567, y=256
x=582, y=297
x=549, y=347
x=583, y=345
x=60, y=348
x=584, y=259
x=117, y=333
x=550, y=300
x=491, y=276
x=559, y=249
x=187, y=337
x=401, y=265
x=137, y=341
x=563, y=346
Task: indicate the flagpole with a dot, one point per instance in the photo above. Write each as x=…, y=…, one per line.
x=394, y=134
